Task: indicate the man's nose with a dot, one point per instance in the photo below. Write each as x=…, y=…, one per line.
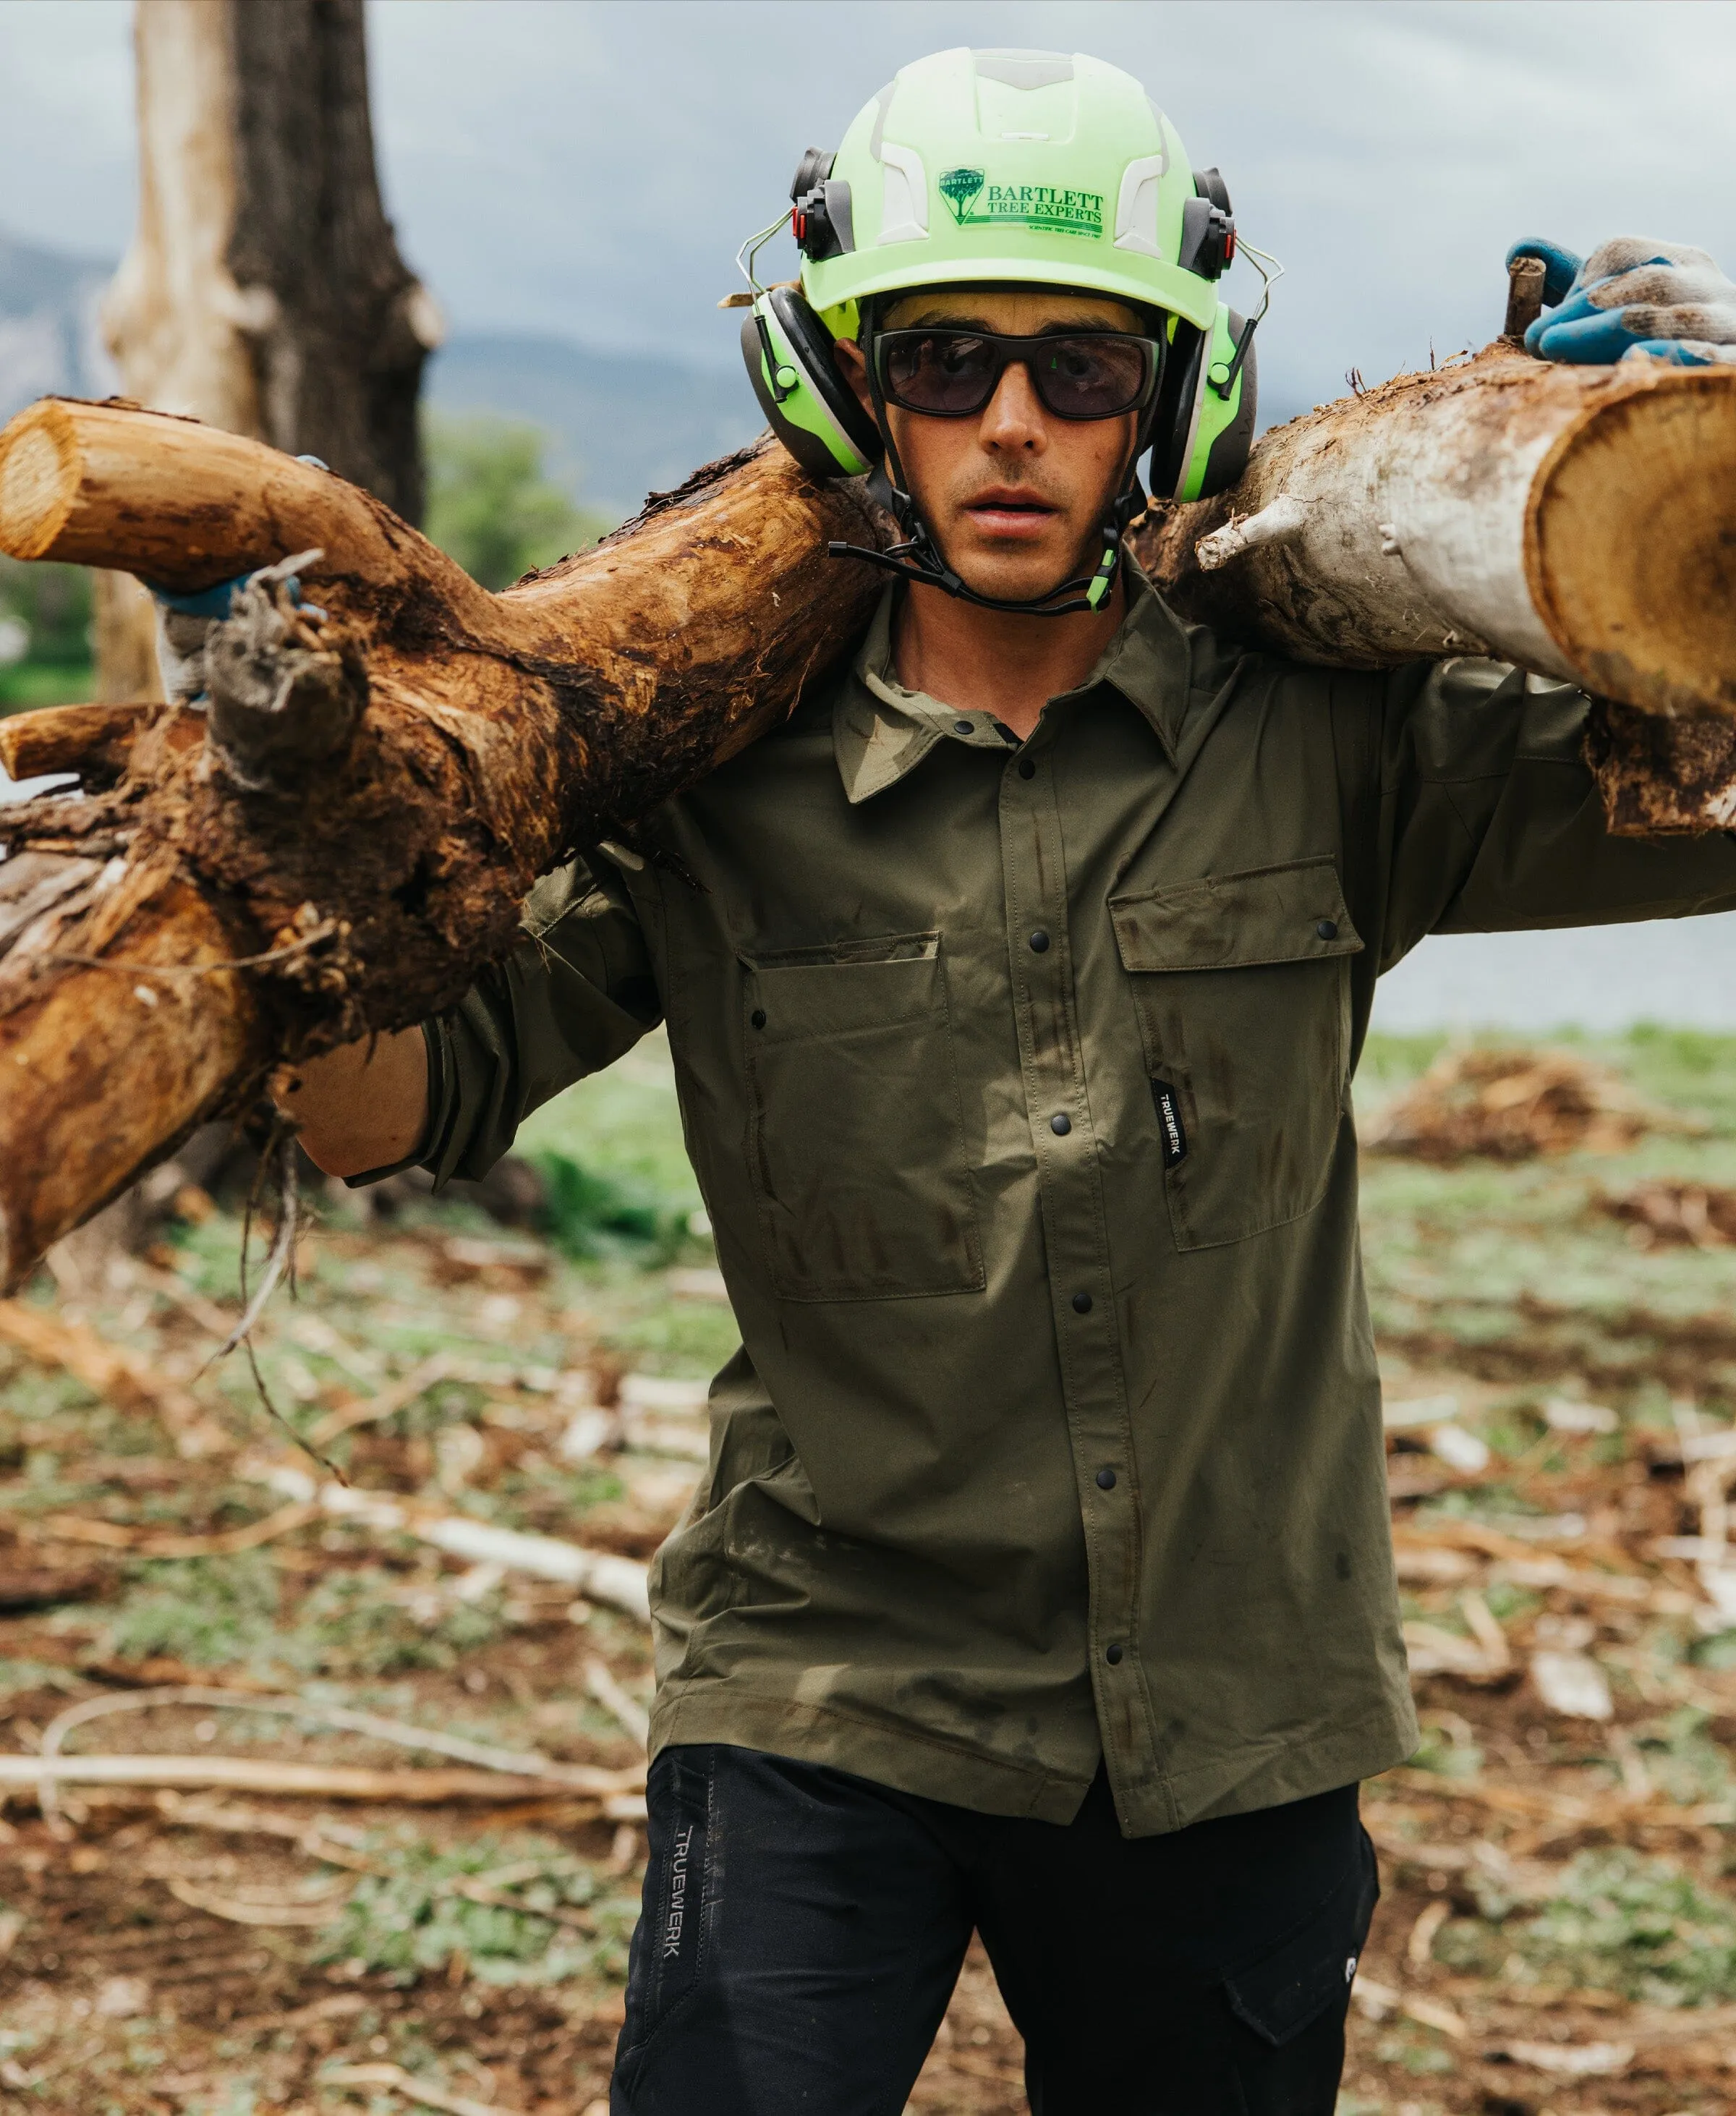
x=1013, y=418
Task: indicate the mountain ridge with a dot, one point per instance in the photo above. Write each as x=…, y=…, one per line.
x=617, y=425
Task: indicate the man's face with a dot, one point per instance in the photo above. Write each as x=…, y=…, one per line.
x=1014, y=496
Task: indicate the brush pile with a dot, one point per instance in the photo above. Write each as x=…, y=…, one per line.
x=1509, y=1104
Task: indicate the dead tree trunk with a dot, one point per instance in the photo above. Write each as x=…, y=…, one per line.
x=346, y=835
x=263, y=291
x=1579, y=521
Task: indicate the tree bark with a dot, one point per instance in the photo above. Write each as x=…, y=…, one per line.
x=263, y=292
x=369, y=796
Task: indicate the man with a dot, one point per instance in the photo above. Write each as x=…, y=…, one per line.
x=1039, y=1583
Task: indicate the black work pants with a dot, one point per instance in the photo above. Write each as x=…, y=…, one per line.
x=803, y=1929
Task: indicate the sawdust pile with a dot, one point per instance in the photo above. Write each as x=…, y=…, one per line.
x=1511, y=1104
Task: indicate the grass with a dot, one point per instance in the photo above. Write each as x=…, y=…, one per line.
x=408, y=1924
x=1620, y=1922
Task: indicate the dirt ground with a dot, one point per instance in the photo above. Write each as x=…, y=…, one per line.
x=1558, y=1927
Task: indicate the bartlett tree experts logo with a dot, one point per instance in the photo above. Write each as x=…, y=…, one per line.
x=977, y=203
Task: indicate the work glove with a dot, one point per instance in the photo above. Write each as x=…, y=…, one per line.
x=184, y=624
x=1631, y=295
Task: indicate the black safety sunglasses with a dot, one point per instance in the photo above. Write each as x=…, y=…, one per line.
x=948, y=374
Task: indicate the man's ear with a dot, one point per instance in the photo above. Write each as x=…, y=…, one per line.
x=854, y=369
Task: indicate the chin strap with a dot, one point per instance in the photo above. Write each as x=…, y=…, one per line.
x=917, y=558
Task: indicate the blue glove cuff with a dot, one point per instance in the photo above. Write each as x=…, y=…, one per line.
x=212, y=602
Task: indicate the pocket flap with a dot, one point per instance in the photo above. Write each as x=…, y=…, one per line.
x=1279, y=1995
x=1291, y=913
x=800, y=994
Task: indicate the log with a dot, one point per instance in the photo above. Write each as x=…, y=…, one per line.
x=345, y=837
x=1578, y=521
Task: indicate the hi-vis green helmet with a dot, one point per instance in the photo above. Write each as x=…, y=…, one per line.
x=1025, y=166
x=1009, y=167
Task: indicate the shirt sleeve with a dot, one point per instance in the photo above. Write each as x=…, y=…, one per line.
x=1491, y=820
x=576, y=991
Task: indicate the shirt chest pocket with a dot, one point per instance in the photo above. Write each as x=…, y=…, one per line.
x=856, y=1142
x=1242, y=985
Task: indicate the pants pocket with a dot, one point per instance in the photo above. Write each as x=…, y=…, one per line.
x=1287, y=1990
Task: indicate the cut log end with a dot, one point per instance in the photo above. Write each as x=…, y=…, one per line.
x=1631, y=544
x=39, y=480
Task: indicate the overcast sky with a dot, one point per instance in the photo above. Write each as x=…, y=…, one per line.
x=588, y=166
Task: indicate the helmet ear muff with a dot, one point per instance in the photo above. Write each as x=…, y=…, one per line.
x=808, y=404
x=1204, y=428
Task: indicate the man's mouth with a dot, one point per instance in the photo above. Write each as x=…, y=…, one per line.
x=1010, y=511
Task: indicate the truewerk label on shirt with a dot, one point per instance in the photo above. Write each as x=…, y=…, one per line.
x=977, y=203
x=1170, y=1119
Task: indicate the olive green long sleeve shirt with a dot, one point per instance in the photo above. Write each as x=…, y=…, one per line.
x=1017, y=1081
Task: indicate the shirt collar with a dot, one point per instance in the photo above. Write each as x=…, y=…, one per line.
x=880, y=731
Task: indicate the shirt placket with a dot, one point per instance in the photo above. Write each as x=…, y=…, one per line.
x=1052, y=1060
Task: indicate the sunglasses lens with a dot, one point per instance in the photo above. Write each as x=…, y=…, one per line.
x=1092, y=378
x=952, y=375
x=947, y=373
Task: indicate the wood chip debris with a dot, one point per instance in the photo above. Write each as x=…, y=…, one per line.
x=304, y=1781
x=1659, y=1213
x=1572, y=1685
x=1568, y=2060
x=122, y=1377
x=599, y=1575
x=421, y=2093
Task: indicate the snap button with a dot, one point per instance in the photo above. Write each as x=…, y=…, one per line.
x=1328, y=929
x=1040, y=942
x=1112, y=1654
x=1105, y=1480
x=1060, y=1124
x=1350, y=1967
x=758, y=1017
x=1027, y=770
x=1082, y=1303
x=963, y=727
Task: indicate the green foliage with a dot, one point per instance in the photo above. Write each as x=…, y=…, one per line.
x=590, y=1214
x=1684, y=1759
x=54, y=601
x=19, y=1676
x=1620, y=1922
x=53, y=604
x=365, y=1620
x=490, y=505
x=624, y=1122
x=1446, y=1750
x=408, y=1925
x=210, y=1613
